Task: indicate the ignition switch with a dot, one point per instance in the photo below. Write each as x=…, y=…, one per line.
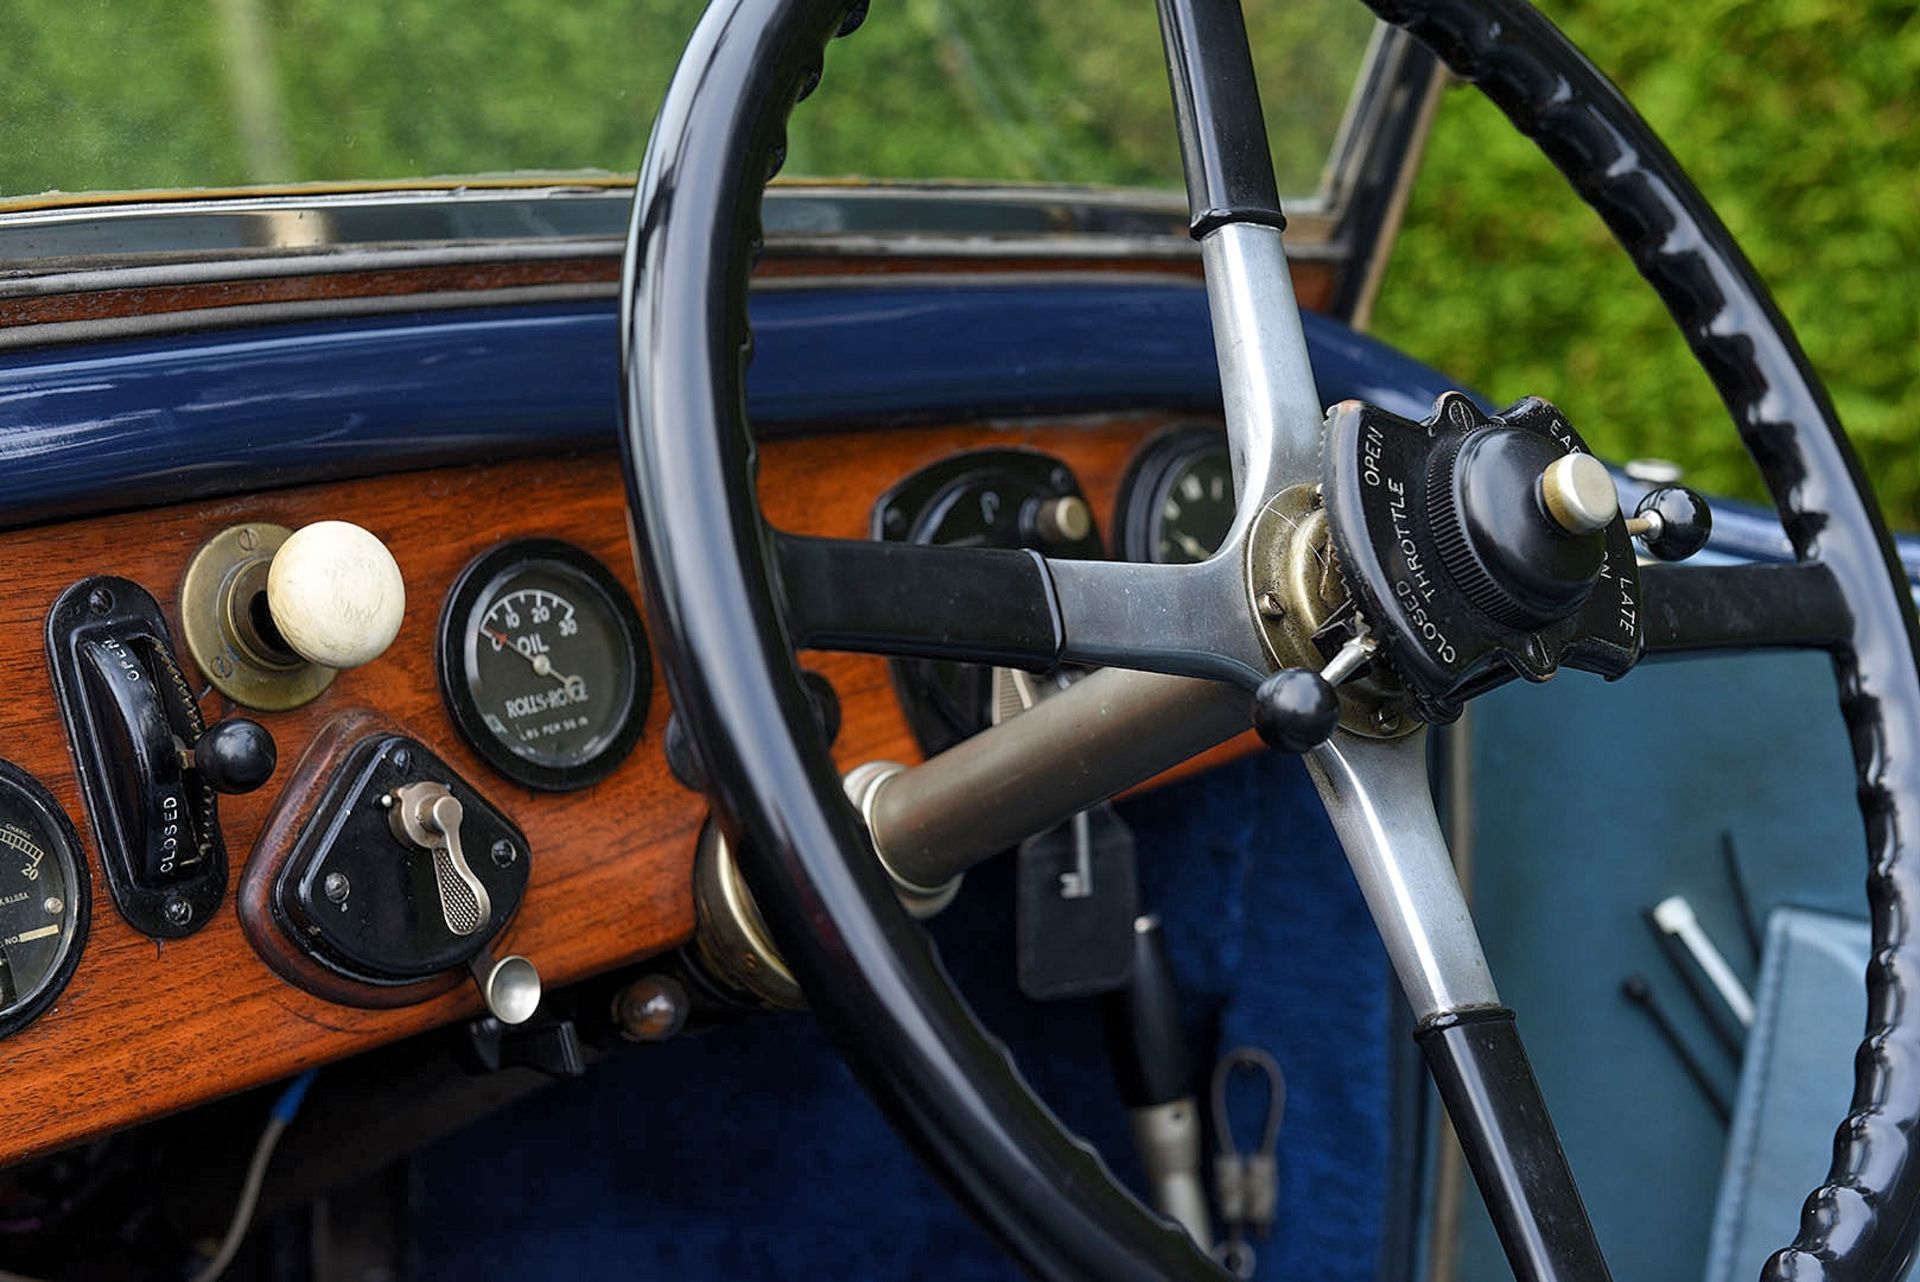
x=149, y=766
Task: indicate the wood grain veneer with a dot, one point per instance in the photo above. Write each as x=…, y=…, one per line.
x=148, y=1027
x=1313, y=282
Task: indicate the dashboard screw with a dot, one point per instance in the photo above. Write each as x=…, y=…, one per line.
x=1386, y=718
x=337, y=887
x=504, y=852
x=1271, y=606
x=179, y=911
x=248, y=539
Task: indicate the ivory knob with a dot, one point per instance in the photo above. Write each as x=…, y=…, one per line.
x=336, y=594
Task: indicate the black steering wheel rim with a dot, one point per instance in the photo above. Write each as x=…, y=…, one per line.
x=874, y=980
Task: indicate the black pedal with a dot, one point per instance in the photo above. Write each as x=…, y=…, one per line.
x=1075, y=898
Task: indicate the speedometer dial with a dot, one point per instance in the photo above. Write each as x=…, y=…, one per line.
x=544, y=664
x=1177, y=502
x=44, y=898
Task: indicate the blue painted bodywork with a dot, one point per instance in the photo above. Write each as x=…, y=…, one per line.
x=130, y=423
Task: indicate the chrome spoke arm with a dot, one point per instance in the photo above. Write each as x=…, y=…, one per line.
x=1272, y=405
x=1377, y=795
x=1273, y=410
x=1019, y=609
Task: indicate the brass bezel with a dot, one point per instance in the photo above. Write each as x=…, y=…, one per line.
x=215, y=596
x=1295, y=586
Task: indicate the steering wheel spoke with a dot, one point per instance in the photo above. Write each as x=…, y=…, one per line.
x=1377, y=795
x=1709, y=609
x=1019, y=609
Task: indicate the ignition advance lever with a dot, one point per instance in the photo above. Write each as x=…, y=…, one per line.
x=428, y=815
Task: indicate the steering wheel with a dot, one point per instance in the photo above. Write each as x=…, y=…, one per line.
x=1184, y=646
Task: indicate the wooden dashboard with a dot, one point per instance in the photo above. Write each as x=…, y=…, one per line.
x=146, y=1027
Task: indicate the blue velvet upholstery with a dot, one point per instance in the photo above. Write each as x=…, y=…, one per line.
x=749, y=1153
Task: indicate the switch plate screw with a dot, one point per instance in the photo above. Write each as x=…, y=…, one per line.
x=179, y=912
x=504, y=852
x=336, y=887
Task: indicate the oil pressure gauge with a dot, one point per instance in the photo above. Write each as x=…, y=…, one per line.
x=544, y=665
x=44, y=898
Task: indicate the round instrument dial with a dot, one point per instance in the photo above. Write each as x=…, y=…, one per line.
x=544, y=664
x=1177, y=502
x=44, y=898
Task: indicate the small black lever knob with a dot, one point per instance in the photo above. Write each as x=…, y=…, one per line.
x=1680, y=523
x=1295, y=710
x=235, y=755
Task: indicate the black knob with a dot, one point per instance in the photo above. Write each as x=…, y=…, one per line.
x=1515, y=561
x=1295, y=710
x=235, y=755
x=1682, y=526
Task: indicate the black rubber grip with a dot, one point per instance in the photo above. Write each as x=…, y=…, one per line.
x=1145, y=1038
x=1216, y=108
x=1502, y=1123
x=1863, y=1222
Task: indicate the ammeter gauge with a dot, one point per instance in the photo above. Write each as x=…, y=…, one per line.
x=544, y=665
x=44, y=898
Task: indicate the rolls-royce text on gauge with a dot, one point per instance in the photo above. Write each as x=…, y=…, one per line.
x=544, y=664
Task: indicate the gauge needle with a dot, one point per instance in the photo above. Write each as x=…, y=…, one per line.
x=542, y=665
x=1191, y=546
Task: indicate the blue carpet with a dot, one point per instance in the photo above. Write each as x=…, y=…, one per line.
x=749, y=1153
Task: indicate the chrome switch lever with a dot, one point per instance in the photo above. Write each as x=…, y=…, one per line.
x=428, y=815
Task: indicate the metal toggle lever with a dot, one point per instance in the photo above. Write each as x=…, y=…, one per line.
x=428, y=815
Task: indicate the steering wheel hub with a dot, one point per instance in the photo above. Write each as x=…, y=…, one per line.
x=1304, y=611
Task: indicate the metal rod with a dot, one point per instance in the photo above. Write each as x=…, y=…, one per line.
x=1749, y=920
x=1709, y=1009
x=1637, y=990
x=1676, y=916
x=1034, y=771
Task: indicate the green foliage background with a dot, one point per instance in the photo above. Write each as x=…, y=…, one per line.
x=1798, y=118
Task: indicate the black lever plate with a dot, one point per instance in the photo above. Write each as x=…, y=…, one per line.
x=130, y=716
x=383, y=924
